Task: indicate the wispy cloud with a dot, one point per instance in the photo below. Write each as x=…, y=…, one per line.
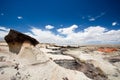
x=19, y=17
x=96, y=17
x=114, y=23
x=102, y=14
x=49, y=27
x=2, y=14
x=92, y=19
x=83, y=17
x=61, y=25
x=3, y=32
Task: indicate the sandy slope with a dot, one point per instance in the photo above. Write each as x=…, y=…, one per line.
x=33, y=64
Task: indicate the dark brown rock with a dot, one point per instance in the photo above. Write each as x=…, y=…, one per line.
x=113, y=59
x=15, y=40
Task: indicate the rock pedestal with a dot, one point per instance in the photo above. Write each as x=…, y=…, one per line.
x=15, y=40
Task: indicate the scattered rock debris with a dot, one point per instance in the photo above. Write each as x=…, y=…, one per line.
x=65, y=78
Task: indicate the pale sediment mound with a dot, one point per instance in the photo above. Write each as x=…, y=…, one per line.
x=30, y=63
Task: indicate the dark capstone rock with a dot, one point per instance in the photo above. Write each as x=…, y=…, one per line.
x=15, y=40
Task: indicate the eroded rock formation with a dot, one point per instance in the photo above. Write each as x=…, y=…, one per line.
x=107, y=49
x=31, y=63
x=15, y=40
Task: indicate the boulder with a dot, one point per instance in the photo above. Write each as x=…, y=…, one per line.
x=15, y=40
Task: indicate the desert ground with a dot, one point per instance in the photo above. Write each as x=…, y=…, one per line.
x=24, y=58
x=92, y=62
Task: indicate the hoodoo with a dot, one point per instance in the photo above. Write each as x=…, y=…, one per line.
x=15, y=40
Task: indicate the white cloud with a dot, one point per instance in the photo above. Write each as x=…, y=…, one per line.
x=90, y=35
x=43, y=35
x=4, y=28
x=49, y=27
x=20, y=17
x=67, y=30
x=95, y=29
x=3, y=32
x=114, y=23
x=92, y=19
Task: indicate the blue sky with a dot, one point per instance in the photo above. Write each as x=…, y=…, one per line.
x=26, y=15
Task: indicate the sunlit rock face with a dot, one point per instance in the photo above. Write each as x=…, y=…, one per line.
x=16, y=39
x=31, y=63
x=107, y=49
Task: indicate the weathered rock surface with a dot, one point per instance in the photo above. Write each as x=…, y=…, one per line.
x=111, y=71
x=107, y=49
x=34, y=61
x=30, y=63
x=26, y=68
x=15, y=40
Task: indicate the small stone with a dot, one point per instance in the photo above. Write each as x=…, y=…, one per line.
x=2, y=72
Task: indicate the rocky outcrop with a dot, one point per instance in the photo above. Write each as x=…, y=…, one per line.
x=104, y=69
x=31, y=63
x=15, y=40
x=107, y=49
